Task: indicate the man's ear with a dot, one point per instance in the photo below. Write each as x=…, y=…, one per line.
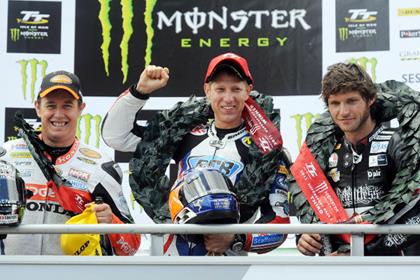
x=38, y=107
x=206, y=88
x=372, y=101
x=82, y=106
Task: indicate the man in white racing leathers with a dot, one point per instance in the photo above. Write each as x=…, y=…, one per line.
x=59, y=105
x=222, y=143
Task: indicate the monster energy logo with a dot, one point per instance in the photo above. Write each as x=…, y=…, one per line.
x=34, y=66
x=343, y=33
x=308, y=119
x=90, y=123
x=368, y=64
x=127, y=18
x=14, y=34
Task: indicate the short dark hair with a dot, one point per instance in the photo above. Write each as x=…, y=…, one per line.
x=345, y=77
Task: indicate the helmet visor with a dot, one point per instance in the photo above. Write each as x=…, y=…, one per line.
x=199, y=184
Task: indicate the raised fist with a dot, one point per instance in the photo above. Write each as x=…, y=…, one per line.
x=152, y=78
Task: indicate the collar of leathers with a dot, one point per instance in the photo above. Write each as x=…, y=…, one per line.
x=394, y=100
x=162, y=136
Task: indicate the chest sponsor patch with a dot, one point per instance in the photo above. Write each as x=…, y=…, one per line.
x=247, y=140
x=333, y=160
x=199, y=130
x=334, y=174
x=374, y=174
x=78, y=174
x=378, y=160
x=226, y=166
x=378, y=147
x=90, y=153
x=86, y=160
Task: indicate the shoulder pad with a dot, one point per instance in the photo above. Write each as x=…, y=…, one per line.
x=114, y=170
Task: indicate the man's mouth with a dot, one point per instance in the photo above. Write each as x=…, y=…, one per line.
x=228, y=107
x=59, y=124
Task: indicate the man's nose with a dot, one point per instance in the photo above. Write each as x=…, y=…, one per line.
x=228, y=96
x=344, y=109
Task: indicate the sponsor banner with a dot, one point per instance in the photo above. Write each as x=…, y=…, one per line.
x=34, y=27
x=414, y=33
x=362, y=25
x=282, y=36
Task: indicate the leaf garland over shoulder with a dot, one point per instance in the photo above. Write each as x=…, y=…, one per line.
x=162, y=136
x=394, y=100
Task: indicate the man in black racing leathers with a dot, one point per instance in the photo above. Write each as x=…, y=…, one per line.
x=222, y=143
x=364, y=163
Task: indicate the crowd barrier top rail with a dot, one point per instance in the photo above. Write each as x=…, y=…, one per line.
x=203, y=229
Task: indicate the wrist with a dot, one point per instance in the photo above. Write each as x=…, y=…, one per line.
x=238, y=243
x=138, y=94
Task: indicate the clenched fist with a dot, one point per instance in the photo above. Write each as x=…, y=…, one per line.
x=152, y=78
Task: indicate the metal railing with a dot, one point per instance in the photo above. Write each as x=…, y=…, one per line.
x=357, y=231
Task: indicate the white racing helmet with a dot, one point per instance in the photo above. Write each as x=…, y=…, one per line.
x=12, y=195
x=203, y=196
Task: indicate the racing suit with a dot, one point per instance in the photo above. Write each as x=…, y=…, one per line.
x=362, y=175
x=86, y=169
x=207, y=147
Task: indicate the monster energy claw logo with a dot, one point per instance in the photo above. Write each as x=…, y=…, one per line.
x=127, y=18
x=309, y=119
x=89, y=122
x=34, y=66
x=14, y=34
x=365, y=62
x=343, y=33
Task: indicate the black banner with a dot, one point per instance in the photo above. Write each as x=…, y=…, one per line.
x=34, y=27
x=362, y=25
x=280, y=39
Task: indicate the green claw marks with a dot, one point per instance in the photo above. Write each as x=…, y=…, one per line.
x=150, y=32
x=33, y=64
x=127, y=19
x=106, y=31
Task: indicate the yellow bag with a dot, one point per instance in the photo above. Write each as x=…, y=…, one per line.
x=82, y=244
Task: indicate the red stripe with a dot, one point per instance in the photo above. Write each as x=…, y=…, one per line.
x=168, y=243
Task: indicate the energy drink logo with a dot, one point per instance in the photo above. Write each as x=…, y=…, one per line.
x=90, y=125
x=362, y=25
x=199, y=21
x=368, y=64
x=14, y=34
x=343, y=33
x=34, y=27
x=127, y=15
x=32, y=71
x=303, y=122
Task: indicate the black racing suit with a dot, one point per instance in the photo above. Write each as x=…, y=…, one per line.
x=362, y=175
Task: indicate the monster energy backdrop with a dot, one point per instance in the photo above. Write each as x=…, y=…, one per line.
x=281, y=39
x=288, y=44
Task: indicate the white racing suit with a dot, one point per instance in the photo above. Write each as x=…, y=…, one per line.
x=205, y=147
x=87, y=169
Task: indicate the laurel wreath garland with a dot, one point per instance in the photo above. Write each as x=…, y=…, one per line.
x=394, y=100
x=163, y=135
